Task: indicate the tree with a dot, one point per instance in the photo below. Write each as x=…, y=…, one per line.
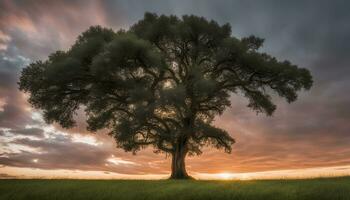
x=160, y=83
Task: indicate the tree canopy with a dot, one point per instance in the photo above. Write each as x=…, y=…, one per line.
x=160, y=83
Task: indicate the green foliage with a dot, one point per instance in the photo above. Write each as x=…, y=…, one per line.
x=313, y=189
x=160, y=83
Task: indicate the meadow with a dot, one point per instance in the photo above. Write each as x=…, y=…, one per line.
x=318, y=189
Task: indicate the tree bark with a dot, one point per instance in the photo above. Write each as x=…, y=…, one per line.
x=178, y=168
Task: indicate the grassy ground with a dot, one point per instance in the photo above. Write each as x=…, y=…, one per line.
x=318, y=189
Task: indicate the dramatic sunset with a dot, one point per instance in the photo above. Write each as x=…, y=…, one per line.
x=205, y=90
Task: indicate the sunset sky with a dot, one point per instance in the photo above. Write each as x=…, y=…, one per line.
x=308, y=137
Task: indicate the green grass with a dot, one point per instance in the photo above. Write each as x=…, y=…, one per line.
x=318, y=189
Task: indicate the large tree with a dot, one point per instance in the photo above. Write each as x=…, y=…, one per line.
x=160, y=83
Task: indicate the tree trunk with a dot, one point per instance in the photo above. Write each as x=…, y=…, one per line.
x=178, y=169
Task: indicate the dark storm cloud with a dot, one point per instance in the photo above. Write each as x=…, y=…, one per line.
x=314, y=131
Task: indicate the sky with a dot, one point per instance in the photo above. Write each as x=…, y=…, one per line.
x=309, y=137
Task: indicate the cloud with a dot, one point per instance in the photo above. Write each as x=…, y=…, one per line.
x=36, y=132
x=13, y=112
x=4, y=39
x=32, y=25
x=73, y=152
x=6, y=176
x=314, y=131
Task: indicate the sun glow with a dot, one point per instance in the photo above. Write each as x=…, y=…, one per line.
x=225, y=176
x=279, y=174
x=83, y=174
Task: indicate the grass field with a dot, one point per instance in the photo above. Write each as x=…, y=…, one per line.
x=318, y=189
